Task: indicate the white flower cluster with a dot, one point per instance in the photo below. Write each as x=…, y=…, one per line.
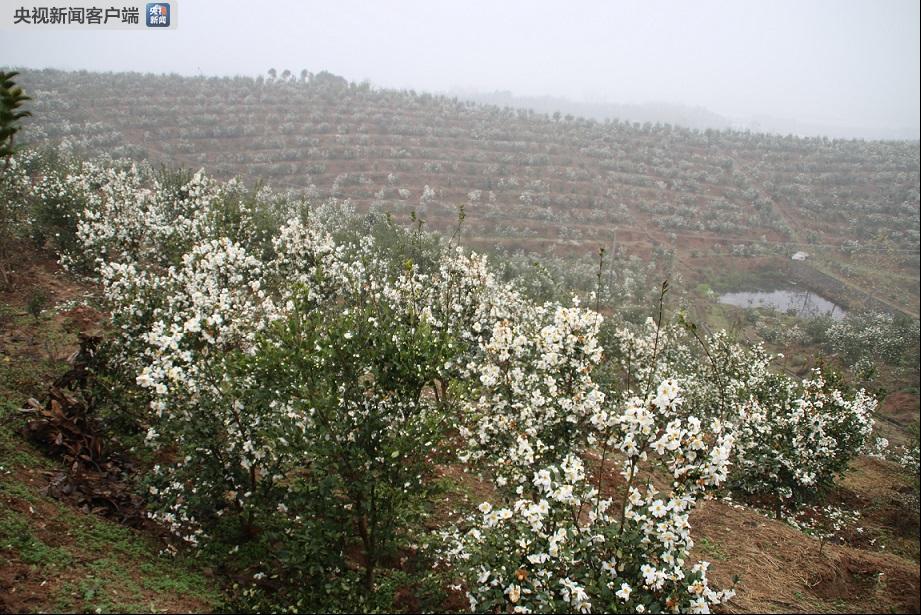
x=130, y=215
x=559, y=545
x=791, y=438
x=15, y=183
x=537, y=399
x=865, y=336
x=708, y=413
x=798, y=438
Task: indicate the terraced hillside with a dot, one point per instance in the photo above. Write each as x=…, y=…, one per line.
x=528, y=181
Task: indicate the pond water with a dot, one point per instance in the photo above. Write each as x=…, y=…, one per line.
x=802, y=303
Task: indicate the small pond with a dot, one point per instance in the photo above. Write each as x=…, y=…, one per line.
x=802, y=303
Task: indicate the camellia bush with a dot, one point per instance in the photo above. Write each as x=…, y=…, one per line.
x=795, y=438
x=556, y=542
x=555, y=539
x=874, y=336
x=792, y=437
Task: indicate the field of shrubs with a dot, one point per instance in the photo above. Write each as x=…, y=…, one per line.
x=542, y=183
x=337, y=412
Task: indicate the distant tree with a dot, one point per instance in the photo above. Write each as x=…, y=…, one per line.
x=272, y=74
x=335, y=81
x=11, y=99
x=285, y=75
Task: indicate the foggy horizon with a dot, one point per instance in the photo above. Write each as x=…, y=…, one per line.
x=840, y=69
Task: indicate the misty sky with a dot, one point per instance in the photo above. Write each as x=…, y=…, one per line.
x=842, y=63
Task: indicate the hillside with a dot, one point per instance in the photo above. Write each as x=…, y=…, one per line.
x=529, y=182
x=221, y=396
x=56, y=555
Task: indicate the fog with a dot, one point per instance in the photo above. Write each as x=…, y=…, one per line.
x=841, y=68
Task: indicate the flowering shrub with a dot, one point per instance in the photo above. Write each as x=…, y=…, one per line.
x=909, y=460
x=556, y=542
x=792, y=437
x=14, y=183
x=537, y=398
x=37, y=202
x=253, y=389
x=565, y=549
x=358, y=383
x=282, y=367
x=873, y=335
x=795, y=438
x=271, y=363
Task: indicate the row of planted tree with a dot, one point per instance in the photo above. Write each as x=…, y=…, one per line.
x=343, y=139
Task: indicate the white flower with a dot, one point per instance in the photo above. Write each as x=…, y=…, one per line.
x=543, y=480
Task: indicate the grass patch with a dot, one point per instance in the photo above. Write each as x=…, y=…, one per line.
x=738, y=280
x=67, y=560
x=19, y=543
x=712, y=550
